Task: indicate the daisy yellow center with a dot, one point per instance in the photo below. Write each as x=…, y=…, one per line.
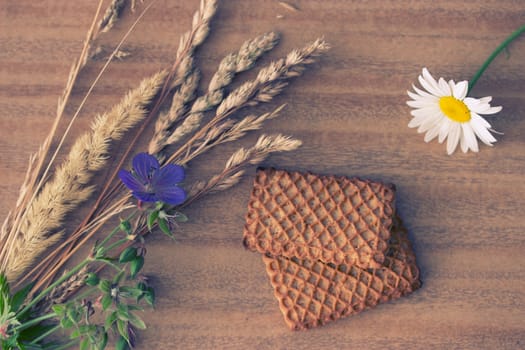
x=454, y=109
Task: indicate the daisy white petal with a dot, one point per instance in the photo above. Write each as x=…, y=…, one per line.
x=493, y=110
x=469, y=137
x=444, y=87
x=430, y=85
x=485, y=99
x=453, y=138
x=424, y=111
x=421, y=103
x=459, y=91
x=417, y=121
x=431, y=121
x=480, y=107
x=442, y=109
x=433, y=132
x=482, y=133
x=482, y=121
x=463, y=143
x=444, y=129
x=423, y=93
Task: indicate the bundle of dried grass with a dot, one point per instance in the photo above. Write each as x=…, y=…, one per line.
x=40, y=226
x=37, y=222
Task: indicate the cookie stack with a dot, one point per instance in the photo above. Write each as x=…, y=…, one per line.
x=332, y=246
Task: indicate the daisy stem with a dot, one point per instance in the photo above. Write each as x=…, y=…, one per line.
x=496, y=52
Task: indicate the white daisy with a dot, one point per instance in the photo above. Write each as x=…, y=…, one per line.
x=445, y=111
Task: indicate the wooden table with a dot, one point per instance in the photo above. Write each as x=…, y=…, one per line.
x=465, y=212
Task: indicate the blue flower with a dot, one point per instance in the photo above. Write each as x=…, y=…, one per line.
x=149, y=182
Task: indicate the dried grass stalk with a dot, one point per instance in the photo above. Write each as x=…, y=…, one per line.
x=111, y=15
x=61, y=292
x=232, y=64
x=289, y=6
x=272, y=79
x=178, y=108
x=189, y=41
x=69, y=187
x=183, y=76
x=181, y=66
x=269, y=82
x=239, y=161
x=231, y=130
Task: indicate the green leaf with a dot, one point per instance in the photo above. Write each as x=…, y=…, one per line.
x=59, y=309
x=130, y=292
x=152, y=218
x=133, y=307
x=100, y=253
x=104, y=286
x=181, y=217
x=137, y=321
x=66, y=323
x=164, y=227
x=128, y=254
x=106, y=301
x=121, y=344
x=20, y=296
x=73, y=314
x=142, y=286
x=135, y=266
x=84, y=344
x=149, y=296
x=75, y=334
x=123, y=312
x=122, y=327
x=110, y=320
x=101, y=345
x=4, y=294
x=92, y=279
x=4, y=286
x=118, y=277
x=34, y=332
x=125, y=226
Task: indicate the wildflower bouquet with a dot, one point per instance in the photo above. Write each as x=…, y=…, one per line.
x=46, y=301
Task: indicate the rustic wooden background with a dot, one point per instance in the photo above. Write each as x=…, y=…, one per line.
x=465, y=213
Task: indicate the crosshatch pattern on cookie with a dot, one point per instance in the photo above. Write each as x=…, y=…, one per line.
x=312, y=293
x=333, y=219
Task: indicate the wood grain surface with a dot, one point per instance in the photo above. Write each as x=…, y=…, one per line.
x=465, y=213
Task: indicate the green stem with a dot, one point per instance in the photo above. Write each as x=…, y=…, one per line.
x=117, y=243
x=107, y=262
x=114, y=231
x=67, y=345
x=86, y=293
x=496, y=52
x=35, y=321
x=56, y=283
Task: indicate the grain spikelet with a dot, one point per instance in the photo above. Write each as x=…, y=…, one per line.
x=69, y=187
x=241, y=159
x=111, y=15
x=271, y=79
x=232, y=64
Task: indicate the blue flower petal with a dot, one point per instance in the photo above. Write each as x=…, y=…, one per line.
x=145, y=196
x=145, y=165
x=130, y=181
x=167, y=177
x=173, y=196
